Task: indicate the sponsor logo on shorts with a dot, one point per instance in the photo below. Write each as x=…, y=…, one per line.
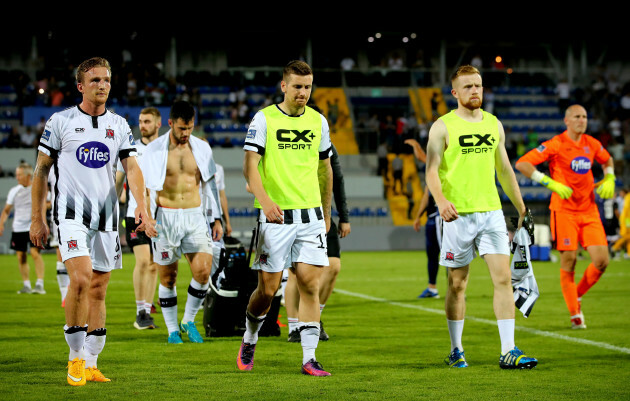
x=450, y=256
x=164, y=255
x=581, y=165
x=109, y=133
x=93, y=154
x=79, y=130
x=72, y=245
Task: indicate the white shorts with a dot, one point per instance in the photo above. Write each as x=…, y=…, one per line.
x=54, y=235
x=484, y=231
x=180, y=231
x=103, y=247
x=280, y=244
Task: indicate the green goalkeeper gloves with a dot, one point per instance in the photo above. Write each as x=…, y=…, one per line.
x=559, y=188
x=606, y=187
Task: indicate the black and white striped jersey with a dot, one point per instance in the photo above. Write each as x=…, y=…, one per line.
x=86, y=150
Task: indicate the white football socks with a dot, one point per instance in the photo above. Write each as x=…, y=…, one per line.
x=168, y=303
x=62, y=279
x=75, y=338
x=94, y=344
x=139, y=305
x=310, y=338
x=506, y=333
x=252, y=326
x=455, y=330
x=196, y=294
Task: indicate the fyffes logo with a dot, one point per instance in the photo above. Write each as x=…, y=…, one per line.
x=581, y=165
x=93, y=154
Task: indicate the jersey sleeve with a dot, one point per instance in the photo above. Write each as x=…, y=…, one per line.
x=50, y=142
x=127, y=144
x=220, y=177
x=325, y=146
x=11, y=195
x=539, y=155
x=256, y=138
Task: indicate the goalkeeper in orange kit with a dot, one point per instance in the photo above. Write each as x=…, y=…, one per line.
x=575, y=218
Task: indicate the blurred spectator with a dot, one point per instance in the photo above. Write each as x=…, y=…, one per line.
x=243, y=112
x=477, y=61
x=411, y=127
x=397, y=173
x=28, y=138
x=347, y=63
x=39, y=128
x=56, y=96
x=624, y=104
x=488, y=100
x=419, y=75
x=435, y=103
x=614, y=127
x=532, y=139
x=387, y=130
x=616, y=150
x=563, y=93
x=395, y=62
x=333, y=113
x=381, y=154
x=13, y=140
x=423, y=133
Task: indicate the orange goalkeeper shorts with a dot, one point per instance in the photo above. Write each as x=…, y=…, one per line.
x=568, y=230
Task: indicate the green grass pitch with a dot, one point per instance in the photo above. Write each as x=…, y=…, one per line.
x=385, y=343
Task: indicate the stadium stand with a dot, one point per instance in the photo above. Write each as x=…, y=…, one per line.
x=228, y=92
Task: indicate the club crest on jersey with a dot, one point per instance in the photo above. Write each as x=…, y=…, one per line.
x=109, y=133
x=93, y=154
x=581, y=165
x=72, y=245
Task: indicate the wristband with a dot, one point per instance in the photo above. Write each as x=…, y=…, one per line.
x=609, y=170
x=537, y=176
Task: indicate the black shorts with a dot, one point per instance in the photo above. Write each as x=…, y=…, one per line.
x=20, y=241
x=332, y=241
x=135, y=238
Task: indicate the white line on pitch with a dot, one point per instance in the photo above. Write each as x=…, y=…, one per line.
x=491, y=322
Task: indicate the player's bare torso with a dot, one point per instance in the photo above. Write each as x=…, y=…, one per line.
x=181, y=184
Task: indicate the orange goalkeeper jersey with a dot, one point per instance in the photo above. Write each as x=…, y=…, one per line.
x=570, y=163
